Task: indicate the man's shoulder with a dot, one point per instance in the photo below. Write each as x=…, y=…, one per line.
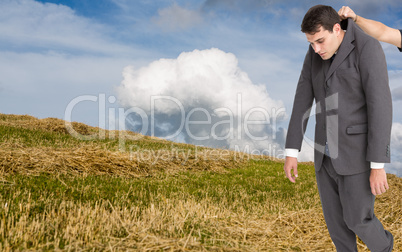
x=362, y=39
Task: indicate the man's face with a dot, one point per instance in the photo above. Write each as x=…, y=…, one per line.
x=324, y=43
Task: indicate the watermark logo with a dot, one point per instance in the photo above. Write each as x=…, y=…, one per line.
x=223, y=124
x=238, y=124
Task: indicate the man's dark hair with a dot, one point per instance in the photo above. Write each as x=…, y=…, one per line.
x=319, y=15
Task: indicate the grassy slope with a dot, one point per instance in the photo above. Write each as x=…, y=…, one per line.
x=59, y=192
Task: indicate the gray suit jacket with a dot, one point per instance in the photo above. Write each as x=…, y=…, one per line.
x=353, y=104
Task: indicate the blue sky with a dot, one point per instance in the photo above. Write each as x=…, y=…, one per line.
x=54, y=51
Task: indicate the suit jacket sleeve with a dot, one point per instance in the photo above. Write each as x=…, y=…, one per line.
x=374, y=76
x=301, y=106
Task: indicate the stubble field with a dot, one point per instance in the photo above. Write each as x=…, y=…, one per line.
x=59, y=192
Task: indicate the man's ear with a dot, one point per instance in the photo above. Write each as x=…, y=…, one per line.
x=336, y=29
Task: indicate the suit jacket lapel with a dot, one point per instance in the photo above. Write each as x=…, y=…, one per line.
x=344, y=49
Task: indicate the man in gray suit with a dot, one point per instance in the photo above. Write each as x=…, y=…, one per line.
x=345, y=72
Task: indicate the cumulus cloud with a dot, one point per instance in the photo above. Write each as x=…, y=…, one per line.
x=203, y=98
x=176, y=18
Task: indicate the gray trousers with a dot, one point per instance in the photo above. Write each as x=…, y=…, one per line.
x=348, y=206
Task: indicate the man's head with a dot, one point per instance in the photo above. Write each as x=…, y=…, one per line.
x=321, y=24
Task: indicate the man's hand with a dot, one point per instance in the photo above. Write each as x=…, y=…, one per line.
x=291, y=164
x=346, y=12
x=378, y=181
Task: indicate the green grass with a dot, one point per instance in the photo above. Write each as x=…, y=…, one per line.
x=42, y=138
x=35, y=138
x=257, y=183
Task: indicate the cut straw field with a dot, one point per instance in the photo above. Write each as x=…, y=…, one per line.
x=61, y=192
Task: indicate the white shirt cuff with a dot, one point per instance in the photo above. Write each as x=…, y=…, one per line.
x=375, y=165
x=292, y=153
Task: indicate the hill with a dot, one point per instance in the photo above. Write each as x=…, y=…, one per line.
x=111, y=190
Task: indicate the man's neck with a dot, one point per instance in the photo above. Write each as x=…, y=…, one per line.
x=340, y=39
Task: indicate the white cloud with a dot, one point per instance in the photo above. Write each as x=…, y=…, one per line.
x=176, y=18
x=195, y=78
x=27, y=24
x=205, y=86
